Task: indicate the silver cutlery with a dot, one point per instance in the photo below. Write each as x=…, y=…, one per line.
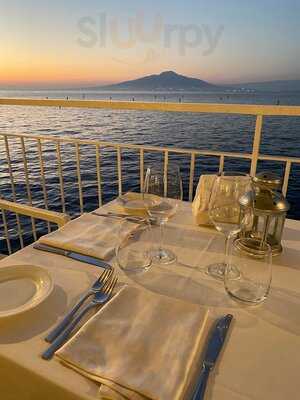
x=127, y=217
x=73, y=254
x=99, y=298
x=214, y=346
x=98, y=285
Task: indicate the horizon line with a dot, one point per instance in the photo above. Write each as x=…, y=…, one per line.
x=86, y=85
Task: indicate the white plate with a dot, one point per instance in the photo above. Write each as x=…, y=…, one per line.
x=22, y=287
x=136, y=202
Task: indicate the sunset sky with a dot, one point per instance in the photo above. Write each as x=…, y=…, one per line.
x=81, y=43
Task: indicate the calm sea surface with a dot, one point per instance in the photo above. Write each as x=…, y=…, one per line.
x=281, y=136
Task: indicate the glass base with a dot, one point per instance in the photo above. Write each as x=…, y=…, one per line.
x=133, y=261
x=163, y=256
x=217, y=271
x=247, y=292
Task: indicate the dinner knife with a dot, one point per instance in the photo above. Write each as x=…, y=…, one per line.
x=214, y=346
x=73, y=254
x=127, y=217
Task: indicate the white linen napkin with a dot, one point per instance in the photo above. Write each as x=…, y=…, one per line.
x=90, y=235
x=200, y=204
x=140, y=345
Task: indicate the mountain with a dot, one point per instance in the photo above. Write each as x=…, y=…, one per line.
x=170, y=81
x=270, y=86
x=165, y=81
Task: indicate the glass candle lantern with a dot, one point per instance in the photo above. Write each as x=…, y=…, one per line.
x=269, y=213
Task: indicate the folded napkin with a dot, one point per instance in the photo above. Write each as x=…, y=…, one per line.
x=200, y=204
x=90, y=235
x=140, y=345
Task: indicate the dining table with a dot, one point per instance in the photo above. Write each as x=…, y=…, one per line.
x=260, y=359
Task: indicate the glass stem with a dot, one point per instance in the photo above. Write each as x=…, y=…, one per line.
x=226, y=247
x=223, y=267
x=161, y=241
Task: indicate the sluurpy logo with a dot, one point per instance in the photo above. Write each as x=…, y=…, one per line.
x=149, y=39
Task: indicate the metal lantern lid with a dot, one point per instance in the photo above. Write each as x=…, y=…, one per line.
x=267, y=180
x=267, y=200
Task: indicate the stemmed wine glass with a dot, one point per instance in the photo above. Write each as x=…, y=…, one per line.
x=164, y=182
x=225, y=212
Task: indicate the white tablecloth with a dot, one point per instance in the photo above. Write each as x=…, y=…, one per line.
x=261, y=359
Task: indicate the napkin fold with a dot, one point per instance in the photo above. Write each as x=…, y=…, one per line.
x=200, y=204
x=90, y=235
x=139, y=346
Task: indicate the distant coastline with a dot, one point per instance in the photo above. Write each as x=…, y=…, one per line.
x=222, y=97
x=172, y=82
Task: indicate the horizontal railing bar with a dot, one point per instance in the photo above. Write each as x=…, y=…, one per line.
x=114, y=145
x=279, y=158
x=39, y=213
x=153, y=148
x=245, y=109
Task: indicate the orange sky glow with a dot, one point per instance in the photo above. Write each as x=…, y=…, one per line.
x=41, y=42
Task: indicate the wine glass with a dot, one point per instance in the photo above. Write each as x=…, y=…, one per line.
x=164, y=182
x=225, y=212
x=255, y=269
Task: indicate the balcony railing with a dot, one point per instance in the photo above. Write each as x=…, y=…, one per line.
x=258, y=112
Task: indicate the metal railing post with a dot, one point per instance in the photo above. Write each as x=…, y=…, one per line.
x=28, y=185
x=60, y=176
x=286, y=177
x=13, y=189
x=192, y=173
x=43, y=179
x=141, y=170
x=221, y=164
x=119, y=161
x=99, y=181
x=6, y=233
x=79, y=176
x=256, y=144
x=166, y=163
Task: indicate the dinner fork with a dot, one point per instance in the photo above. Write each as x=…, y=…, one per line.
x=100, y=297
x=98, y=285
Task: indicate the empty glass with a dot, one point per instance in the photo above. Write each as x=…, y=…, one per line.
x=253, y=283
x=133, y=252
x=225, y=211
x=164, y=182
